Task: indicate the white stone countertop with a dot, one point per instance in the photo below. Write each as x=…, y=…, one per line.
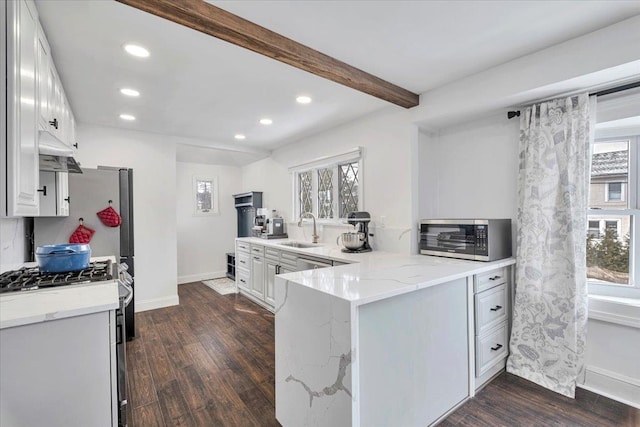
x=42, y=305
x=375, y=275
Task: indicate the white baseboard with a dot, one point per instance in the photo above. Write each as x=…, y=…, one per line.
x=152, y=304
x=202, y=276
x=615, y=386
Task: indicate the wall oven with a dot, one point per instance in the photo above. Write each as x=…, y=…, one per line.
x=472, y=239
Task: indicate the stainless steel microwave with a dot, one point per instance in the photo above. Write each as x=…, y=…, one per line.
x=473, y=239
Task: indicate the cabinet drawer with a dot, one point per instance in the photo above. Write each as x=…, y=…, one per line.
x=272, y=253
x=491, y=348
x=257, y=250
x=288, y=258
x=243, y=279
x=491, y=308
x=243, y=246
x=490, y=279
x=242, y=260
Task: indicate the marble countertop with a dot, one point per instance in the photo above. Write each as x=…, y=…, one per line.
x=42, y=305
x=373, y=276
x=322, y=250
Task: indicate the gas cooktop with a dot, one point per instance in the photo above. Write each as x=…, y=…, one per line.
x=31, y=278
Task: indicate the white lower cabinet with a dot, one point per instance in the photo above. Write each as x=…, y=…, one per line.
x=271, y=268
x=492, y=313
x=243, y=279
x=60, y=372
x=257, y=276
x=256, y=269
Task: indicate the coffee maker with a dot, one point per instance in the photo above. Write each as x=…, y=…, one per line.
x=360, y=220
x=269, y=225
x=260, y=222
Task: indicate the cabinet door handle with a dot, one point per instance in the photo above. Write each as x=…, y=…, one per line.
x=68, y=199
x=497, y=347
x=76, y=145
x=494, y=278
x=496, y=308
x=277, y=269
x=54, y=123
x=43, y=190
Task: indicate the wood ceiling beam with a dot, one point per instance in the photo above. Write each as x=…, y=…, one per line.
x=216, y=22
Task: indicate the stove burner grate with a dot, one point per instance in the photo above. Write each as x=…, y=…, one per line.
x=31, y=278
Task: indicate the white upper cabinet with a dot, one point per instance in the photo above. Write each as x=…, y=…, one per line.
x=21, y=142
x=44, y=80
x=36, y=103
x=55, y=114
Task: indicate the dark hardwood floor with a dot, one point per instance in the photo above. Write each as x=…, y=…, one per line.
x=210, y=362
x=513, y=401
x=207, y=362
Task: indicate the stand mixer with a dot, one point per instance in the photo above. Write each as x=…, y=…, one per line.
x=360, y=220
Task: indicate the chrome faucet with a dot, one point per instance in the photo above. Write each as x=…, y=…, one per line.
x=315, y=230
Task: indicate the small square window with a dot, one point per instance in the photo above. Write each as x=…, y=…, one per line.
x=594, y=229
x=205, y=195
x=615, y=191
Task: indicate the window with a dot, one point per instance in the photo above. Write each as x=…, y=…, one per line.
x=614, y=192
x=613, y=216
x=205, y=195
x=329, y=188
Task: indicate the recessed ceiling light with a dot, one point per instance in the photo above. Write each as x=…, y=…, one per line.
x=266, y=121
x=129, y=92
x=239, y=136
x=135, y=50
x=303, y=100
x=127, y=117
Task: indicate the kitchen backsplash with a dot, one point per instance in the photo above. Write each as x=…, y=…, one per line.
x=386, y=239
x=13, y=243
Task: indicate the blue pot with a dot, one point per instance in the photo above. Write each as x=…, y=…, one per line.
x=63, y=258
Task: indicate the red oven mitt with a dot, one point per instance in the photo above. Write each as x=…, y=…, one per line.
x=81, y=234
x=109, y=216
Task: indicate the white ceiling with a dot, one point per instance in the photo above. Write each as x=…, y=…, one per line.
x=196, y=86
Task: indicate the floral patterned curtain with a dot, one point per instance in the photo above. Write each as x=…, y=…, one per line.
x=550, y=311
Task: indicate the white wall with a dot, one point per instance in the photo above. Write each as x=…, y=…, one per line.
x=203, y=241
x=611, y=359
x=388, y=139
x=471, y=170
x=153, y=160
x=12, y=243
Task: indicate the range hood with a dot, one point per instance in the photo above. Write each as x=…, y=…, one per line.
x=55, y=155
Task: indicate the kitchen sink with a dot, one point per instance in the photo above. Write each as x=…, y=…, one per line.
x=301, y=245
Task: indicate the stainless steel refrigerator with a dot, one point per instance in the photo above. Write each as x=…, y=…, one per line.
x=89, y=193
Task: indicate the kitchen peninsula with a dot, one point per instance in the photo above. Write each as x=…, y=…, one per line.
x=390, y=340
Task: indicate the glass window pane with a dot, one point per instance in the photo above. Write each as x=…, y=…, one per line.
x=594, y=228
x=204, y=199
x=325, y=193
x=348, y=188
x=615, y=191
x=305, y=188
x=609, y=175
x=608, y=252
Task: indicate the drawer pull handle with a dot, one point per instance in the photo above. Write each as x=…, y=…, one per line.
x=242, y=262
x=256, y=258
x=497, y=347
x=242, y=280
x=496, y=308
x=494, y=278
